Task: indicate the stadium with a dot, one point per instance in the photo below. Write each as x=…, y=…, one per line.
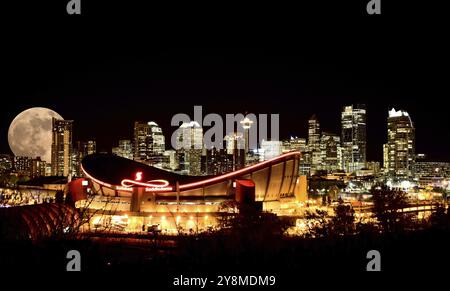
x=132, y=196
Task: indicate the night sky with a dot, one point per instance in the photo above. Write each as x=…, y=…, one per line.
x=108, y=68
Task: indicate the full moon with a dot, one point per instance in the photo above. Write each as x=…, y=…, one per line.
x=30, y=133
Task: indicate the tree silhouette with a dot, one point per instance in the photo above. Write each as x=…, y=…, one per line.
x=343, y=222
x=388, y=207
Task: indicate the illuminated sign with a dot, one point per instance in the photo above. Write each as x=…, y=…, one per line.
x=138, y=176
x=153, y=185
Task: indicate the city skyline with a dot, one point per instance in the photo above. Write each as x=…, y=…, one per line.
x=106, y=93
x=224, y=144
x=109, y=147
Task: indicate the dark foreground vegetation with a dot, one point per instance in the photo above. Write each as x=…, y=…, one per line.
x=252, y=241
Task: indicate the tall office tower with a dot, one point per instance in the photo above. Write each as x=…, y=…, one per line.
x=170, y=160
x=156, y=144
x=235, y=148
x=37, y=168
x=90, y=147
x=314, y=143
x=246, y=124
x=385, y=158
x=125, y=149
x=61, y=147
x=353, y=137
x=79, y=151
x=329, y=151
x=217, y=161
x=76, y=158
x=401, y=144
x=141, y=141
x=271, y=149
x=149, y=143
x=189, y=147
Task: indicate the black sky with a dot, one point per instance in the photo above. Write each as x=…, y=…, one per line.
x=105, y=70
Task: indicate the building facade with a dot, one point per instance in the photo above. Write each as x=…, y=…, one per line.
x=314, y=143
x=401, y=144
x=125, y=149
x=61, y=147
x=271, y=149
x=353, y=137
x=149, y=143
x=79, y=151
x=329, y=151
x=189, y=143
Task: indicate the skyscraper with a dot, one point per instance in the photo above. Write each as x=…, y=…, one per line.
x=37, y=168
x=124, y=150
x=246, y=124
x=61, y=147
x=314, y=143
x=217, y=161
x=170, y=160
x=329, y=151
x=156, y=144
x=400, y=145
x=141, y=141
x=271, y=149
x=79, y=151
x=149, y=142
x=353, y=137
x=234, y=148
x=189, y=147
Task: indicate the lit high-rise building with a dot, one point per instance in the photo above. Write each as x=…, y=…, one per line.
x=22, y=164
x=79, y=151
x=401, y=144
x=374, y=167
x=61, y=147
x=189, y=147
x=37, y=168
x=170, y=160
x=234, y=148
x=271, y=149
x=294, y=144
x=141, y=141
x=124, y=150
x=314, y=143
x=90, y=147
x=329, y=151
x=385, y=158
x=246, y=124
x=217, y=161
x=353, y=137
x=149, y=142
x=156, y=144
x=6, y=163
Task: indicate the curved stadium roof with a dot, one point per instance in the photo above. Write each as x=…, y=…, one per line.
x=110, y=169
